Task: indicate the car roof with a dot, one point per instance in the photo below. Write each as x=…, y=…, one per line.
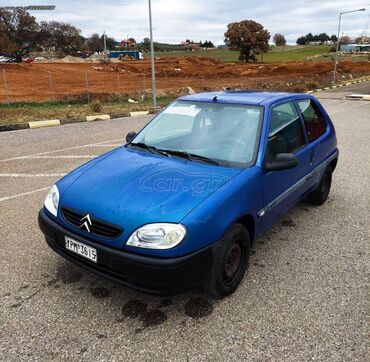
x=242, y=97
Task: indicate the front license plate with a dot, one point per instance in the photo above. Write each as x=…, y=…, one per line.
x=81, y=249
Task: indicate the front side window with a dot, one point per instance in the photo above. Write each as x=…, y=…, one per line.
x=313, y=119
x=286, y=133
x=226, y=133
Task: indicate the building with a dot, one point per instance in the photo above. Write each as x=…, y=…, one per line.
x=190, y=45
x=355, y=48
x=127, y=43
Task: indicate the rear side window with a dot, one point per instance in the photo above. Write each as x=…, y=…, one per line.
x=286, y=133
x=315, y=122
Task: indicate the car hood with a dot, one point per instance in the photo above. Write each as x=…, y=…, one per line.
x=132, y=187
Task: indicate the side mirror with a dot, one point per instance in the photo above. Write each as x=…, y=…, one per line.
x=282, y=161
x=130, y=136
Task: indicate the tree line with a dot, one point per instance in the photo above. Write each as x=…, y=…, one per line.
x=324, y=38
x=321, y=38
x=21, y=34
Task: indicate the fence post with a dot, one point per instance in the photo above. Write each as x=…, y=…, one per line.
x=166, y=85
x=51, y=86
x=144, y=80
x=87, y=87
x=6, y=87
x=218, y=82
x=119, y=86
x=202, y=82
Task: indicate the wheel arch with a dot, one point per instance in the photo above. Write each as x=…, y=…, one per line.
x=333, y=164
x=249, y=223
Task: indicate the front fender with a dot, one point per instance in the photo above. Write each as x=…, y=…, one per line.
x=209, y=221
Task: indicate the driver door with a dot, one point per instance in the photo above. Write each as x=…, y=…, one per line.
x=283, y=188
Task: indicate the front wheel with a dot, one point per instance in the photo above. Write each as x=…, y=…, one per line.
x=230, y=262
x=321, y=193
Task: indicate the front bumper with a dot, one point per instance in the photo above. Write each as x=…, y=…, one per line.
x=148, y=274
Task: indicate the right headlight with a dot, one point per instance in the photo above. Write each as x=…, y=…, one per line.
x=52, y=200
x=157, y=236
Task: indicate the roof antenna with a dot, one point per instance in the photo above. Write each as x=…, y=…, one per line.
x=216, y=96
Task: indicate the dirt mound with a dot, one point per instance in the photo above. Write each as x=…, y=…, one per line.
x=71, y=59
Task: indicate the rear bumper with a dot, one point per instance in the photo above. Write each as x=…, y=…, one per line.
x=148, y=274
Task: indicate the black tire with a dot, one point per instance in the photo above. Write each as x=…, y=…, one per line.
x=230, y=262
x=321, y=193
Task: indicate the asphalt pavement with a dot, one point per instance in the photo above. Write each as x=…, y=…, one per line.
x=305, y=295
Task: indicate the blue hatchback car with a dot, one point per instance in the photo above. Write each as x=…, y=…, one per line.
x=183, y=202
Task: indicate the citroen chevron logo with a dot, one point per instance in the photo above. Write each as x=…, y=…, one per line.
x=86, y=222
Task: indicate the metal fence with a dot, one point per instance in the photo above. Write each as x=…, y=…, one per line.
x=88, y=85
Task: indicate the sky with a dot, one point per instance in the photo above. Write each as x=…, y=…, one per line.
x=177, y=20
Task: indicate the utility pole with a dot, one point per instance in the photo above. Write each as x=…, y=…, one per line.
x=337, y=48
x=154, y=90
x=105, y=43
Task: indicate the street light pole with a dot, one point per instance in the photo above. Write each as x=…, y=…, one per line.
x=337, y=47
x=154, y=90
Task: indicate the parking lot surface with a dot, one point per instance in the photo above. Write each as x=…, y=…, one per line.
x=304, y=297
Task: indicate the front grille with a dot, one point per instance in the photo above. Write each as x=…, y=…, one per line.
x=97, y=227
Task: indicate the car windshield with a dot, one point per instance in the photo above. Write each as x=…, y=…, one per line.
x=224, y=133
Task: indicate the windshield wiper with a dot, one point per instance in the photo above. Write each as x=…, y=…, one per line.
x=151, y=149
x=191, y=156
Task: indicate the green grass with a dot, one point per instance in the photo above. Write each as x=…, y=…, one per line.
x=22, y=112
x=295, y=53
x=222, y=54
x=276, y=54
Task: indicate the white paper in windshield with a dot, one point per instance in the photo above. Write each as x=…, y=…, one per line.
x=191, y=110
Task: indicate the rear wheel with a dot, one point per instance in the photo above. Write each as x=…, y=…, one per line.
x=321, y=193
x=230, y=262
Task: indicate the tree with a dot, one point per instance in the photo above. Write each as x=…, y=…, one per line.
x=279, y=40
x=333, y=39
x=95, y=43
x=323, y=38
x=345, y=40
x=249, y=37
x=362, y=40
x=316, y=38
x=20, y=33
x=5, y=43
x=146, y=44
x=65, y=38
x=302, y=40
x=206, y=44
x=310, y=38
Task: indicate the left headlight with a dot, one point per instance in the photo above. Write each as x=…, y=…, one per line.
x=157, y=236
x=52, y=200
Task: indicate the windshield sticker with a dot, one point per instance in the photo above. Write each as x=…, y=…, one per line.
x=190, y=111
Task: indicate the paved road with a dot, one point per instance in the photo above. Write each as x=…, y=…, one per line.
x=303, y=298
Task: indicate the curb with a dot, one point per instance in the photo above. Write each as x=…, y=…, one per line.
x=63, y=121
x=41, y=124
x=360, y=97
x=339, y=86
